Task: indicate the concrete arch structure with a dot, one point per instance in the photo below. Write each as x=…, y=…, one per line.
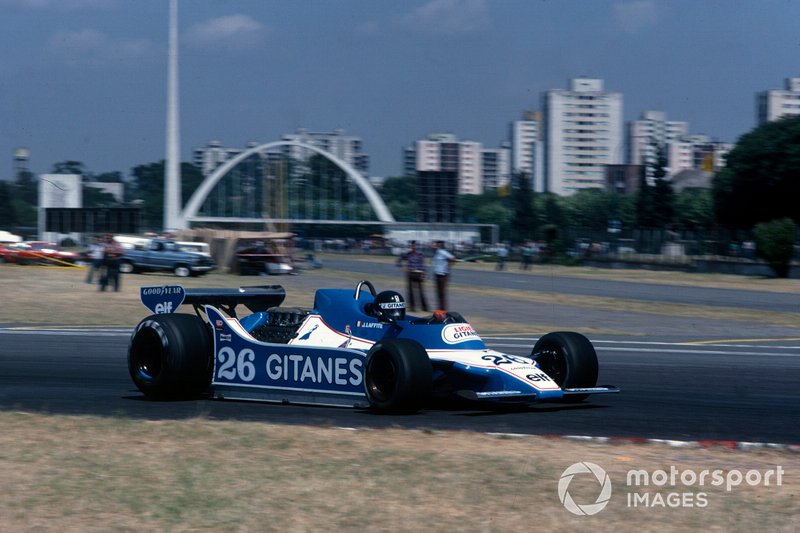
x=202, y=192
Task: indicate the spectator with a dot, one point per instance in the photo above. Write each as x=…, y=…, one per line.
x=502, y=254
x=441, y=272
x=527, y=256
x=96, y=251
x=111, y=257
x=415, y=275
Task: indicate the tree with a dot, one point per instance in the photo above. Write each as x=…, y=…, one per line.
x=94, y=197
x=523, y=221
x=147, y=189
x=8, y=213
x=589, y=208
x=27, y=188
x=694, y=210
x=655, y=203
x=69, y=167
x=761, y=180
x=775, y=243
x=400, y=196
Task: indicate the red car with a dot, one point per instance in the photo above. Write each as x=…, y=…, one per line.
x=36, y=252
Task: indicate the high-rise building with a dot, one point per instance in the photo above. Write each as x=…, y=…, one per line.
x=649, y=134
x=346, y=147
x=495, y=167
x=211, y=156
x=696, y=152
x=443, y=152
x=526, y=148
x=776, y=104
x=583, y=132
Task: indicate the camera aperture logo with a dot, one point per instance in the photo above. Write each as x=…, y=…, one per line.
x=602, y=478
x=665, y=488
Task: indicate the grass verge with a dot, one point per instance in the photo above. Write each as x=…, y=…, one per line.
x=92, y=474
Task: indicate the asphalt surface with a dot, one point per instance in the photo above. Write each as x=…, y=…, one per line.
x=682, y=378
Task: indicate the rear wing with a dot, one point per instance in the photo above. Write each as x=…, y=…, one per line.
x=167, y=298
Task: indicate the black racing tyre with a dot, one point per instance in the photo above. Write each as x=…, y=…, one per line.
x=126, y=267
x=398, y=376
x=569, y=359
x=170, y=356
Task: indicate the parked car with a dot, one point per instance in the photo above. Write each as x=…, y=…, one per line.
x=36, y=252
x=165, y=255
x=258, y=259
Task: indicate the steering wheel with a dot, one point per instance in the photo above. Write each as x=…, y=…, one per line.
x=362, y=283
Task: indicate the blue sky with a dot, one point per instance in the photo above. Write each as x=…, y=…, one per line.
x=86, y=79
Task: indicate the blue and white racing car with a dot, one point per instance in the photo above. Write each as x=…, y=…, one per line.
x=355, y=348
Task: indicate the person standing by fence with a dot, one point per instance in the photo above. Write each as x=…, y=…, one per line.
x=95, y=259
x=441, y=272
x=111, y=257
x=415, y=275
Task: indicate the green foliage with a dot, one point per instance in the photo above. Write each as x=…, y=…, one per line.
x=495, y=213
x=8, y=214
x=69, y=167
x=147, y=190
x=775, y=243
x=761, y=181
x=523, y=221
x=400, y=196
x=549, y=210
x=655, y=203
x=26, y=214
x=589, y=208
x=93, y=197
x=27, y=188
x=109, y=177
x=694, y=210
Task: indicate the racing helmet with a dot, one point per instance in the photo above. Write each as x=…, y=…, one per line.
x=390, y=304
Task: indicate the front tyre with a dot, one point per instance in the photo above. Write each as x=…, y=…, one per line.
x=569, y=359
x=398, y=376
x=170, y=356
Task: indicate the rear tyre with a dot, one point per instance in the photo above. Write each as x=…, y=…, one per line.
x=126, y=267
x=569, y=359
x=398, y=376
x=170, y=357
x=182, y=271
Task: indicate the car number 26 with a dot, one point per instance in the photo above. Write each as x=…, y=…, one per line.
x=233, y=365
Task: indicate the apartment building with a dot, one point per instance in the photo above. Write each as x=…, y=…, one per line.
x=527, y=148
x=583, y=132
x=776, y=104
x=443, y=152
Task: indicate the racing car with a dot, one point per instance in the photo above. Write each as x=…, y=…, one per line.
x=354, y=347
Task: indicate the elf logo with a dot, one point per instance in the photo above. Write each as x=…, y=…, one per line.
x=164, y=307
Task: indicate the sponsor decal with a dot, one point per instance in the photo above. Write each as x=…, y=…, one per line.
x=371, y=325
x=392, y=305
x=162, y=300
x=307, y=335
x=224, y=338
x=219, y=324
x=457, y=333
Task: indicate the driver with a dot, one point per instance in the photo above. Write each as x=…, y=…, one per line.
x=391, y=305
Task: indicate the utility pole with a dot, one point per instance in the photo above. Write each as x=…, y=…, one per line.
x=173, y=217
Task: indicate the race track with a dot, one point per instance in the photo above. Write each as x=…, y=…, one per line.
x=683, y=377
